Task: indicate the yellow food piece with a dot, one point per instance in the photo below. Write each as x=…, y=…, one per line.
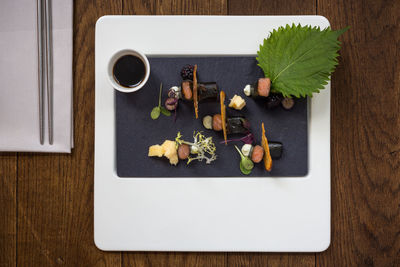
x=156, y=151
x=167, y=149
x=170, y=151
x=237, y=102
x=173, y=160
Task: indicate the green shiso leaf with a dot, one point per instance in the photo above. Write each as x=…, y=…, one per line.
x=299, y=59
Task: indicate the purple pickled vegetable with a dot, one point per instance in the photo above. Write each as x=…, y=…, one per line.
x=171, y=103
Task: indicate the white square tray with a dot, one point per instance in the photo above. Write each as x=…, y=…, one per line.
x=205, y=214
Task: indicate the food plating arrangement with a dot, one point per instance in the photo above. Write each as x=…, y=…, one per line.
x=297, y=61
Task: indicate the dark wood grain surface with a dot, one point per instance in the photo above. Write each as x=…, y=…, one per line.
x=46, y=201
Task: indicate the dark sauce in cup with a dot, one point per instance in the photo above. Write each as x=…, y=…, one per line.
x=129, y=71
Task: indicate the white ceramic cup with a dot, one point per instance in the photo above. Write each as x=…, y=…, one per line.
x=112, y=62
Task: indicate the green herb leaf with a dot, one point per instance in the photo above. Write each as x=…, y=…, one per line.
x=165, y=111
x=299, y=60
x=244, y=170
x=246, y=165
x=155, y=113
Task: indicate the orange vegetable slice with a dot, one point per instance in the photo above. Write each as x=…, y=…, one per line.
x=267, y=155
x=223, y=114
x=195, y=99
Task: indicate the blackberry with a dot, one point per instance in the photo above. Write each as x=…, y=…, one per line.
x=187, y=72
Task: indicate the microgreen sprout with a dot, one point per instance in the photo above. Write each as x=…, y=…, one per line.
x=202, y=147
x=246, y=165
x=156, y=111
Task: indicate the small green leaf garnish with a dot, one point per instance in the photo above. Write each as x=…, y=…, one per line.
x=244, y=170
x=156, y=111
x=165, y=111
x=246, y=165
x=299, y=59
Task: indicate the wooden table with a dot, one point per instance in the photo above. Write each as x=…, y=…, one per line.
x=46, y=201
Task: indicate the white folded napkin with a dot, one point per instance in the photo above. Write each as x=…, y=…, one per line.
x=19, y=93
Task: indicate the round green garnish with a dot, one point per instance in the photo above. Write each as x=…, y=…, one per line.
x=155, y=113
x=246, y=165
x=244, y=170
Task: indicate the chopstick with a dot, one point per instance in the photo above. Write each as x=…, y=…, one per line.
x=44, y=25
x=49, y=69
x=40, y=68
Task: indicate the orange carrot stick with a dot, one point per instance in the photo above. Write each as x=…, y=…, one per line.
x=195, y=99
x=223, y=114
x=267, y=155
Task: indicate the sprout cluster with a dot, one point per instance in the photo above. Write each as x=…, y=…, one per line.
x=202, y=147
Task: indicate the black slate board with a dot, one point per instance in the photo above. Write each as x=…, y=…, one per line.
x=136, y=131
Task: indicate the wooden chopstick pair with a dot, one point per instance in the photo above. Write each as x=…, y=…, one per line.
x=45, y=61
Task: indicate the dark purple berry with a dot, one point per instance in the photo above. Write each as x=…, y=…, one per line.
x=187, y=72
x=273, y=100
